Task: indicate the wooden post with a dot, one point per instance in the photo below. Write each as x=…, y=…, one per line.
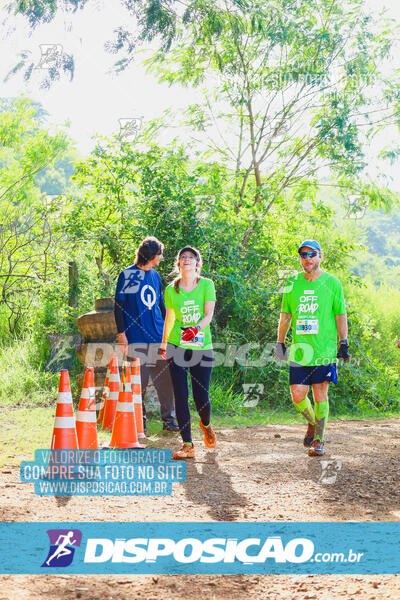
x=73, y=279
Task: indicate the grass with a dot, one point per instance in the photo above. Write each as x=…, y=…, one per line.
x=26, y=429
x=21, y=382
x=28, y=402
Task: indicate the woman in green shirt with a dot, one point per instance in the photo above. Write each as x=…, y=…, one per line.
x=187, y=345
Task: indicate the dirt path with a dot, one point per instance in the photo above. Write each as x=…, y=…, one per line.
x=255, y=474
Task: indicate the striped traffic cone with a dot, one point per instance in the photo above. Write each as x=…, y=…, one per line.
x=64, y=433
x=86, y=418
x=106, y=392
x=124, y=433
x=137, y=397
x=111, y=403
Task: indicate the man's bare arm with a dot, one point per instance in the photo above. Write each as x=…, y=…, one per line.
x=284, y=322
x=341, y=326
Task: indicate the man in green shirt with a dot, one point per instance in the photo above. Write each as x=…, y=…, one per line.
x=314, y=301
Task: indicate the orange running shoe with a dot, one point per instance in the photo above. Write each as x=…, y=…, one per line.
x=209, y=436
x=317, y=448
x=187, y=451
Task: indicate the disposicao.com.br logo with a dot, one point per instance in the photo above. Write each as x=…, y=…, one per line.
x=213, y=550
x=190, y=550
x=199, y=547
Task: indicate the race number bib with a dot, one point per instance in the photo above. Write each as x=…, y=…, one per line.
x=306, y=326
x=197, y=341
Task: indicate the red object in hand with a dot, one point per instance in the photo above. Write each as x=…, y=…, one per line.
x=189, y=334
x=163, y=354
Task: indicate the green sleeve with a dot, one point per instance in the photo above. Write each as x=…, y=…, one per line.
x=210, y=291
x=168, y=299
x=339, y=306
x=285, y=304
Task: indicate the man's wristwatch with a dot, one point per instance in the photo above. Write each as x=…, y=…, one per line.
x=198, y=327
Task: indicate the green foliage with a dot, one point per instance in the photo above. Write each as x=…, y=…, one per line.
x=29, y=252
x=123, y=192
x=22, y=382
x=55, y=179
x=301, y=82
x=298, y=83
x=378, y=258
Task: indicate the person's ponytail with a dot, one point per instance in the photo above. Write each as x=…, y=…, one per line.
x=176, y=282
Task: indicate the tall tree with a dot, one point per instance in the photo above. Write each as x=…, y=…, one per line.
x=298, y=83
x=296, y=86
x=26, y=235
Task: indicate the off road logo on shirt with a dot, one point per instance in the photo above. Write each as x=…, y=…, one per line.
x=190, y=312
x=308, y=303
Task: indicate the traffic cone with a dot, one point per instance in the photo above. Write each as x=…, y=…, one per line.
x=124, y=433
x=137, y=397
x=64, y=433
x=111, y=403
x=106, y=392
x=86, y=418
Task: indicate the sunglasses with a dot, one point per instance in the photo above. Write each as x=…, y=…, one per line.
x=310, y=254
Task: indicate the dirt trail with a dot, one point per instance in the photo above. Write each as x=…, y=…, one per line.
x=254, y=474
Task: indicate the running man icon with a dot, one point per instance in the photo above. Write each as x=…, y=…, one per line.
x=62, y=542
x=62, y=549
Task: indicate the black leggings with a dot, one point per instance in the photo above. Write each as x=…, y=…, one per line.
x=199, y=364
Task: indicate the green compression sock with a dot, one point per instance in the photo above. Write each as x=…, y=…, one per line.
x=321, y=419
x=304, y=407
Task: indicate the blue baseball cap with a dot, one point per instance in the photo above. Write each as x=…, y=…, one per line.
x=311, y=244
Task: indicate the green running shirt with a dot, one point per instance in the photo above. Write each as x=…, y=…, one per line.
x=189, y=310
x=313, y=306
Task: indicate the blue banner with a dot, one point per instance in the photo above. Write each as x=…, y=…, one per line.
x=197, y=548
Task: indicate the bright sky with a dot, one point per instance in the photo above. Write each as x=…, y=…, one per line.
x=95, y=100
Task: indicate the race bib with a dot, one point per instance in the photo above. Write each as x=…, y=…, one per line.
x=197, y=341
x=306, y=326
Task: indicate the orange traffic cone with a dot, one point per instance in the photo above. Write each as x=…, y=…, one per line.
x=124, y=433
x=111, y=403
x=64, y=433
x=106, y=392
x=86, y=418
x=137, y=397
